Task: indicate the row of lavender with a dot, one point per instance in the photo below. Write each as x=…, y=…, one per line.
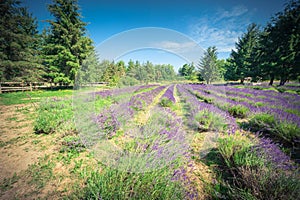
x=197, y=106
x=282, y=126
x=221, y=98
x=284, y=101
x=204, y=116
x=169, y=138
x=258, y=162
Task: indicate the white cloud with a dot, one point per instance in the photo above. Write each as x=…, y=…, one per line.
x=176, y=46
x=221, y=29
x=234, y=12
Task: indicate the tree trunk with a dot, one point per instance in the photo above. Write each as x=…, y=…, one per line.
x=283, y=80
x=271, y=79
x=242, y=81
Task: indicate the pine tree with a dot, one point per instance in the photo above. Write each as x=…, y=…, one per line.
x=243, y=57
x=66, y=44
x=208, y=65
x=281, y=44
x=19, y=43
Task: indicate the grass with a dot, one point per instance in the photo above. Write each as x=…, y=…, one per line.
x=41, y=172
x=54, y=115
x=7, y=183
x=113, y=184
x=11, y=141
x=28, y=97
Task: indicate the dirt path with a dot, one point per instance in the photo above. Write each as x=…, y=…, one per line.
x=16, y=148
x=20, y=148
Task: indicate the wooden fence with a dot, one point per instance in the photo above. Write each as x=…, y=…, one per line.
x=30, y=86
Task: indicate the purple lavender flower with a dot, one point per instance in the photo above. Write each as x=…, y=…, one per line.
x=169, y=94
x=273, y=154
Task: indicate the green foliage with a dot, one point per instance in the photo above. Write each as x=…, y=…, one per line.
x=19, y=44
x=271, y=53
x=165, y=102
x=242, y=60
x=238, y=111
x=280, y=51
x=136, y=73
x=54, y=115
x=66, y=45
x=41, y=172
x=265, y=183
x=204, y=98
x=284, y=130
x=91, y=70
x=208, y=66
x=250, y=177
x=236, y=151
x=206, y=120
x=128, y=81
x=188, y=71
x=7, y=183
x=72, y=144
x=113, y=73
x=114, y=184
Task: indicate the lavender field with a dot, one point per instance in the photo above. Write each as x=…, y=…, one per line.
x=188, y=141
x=176, y=141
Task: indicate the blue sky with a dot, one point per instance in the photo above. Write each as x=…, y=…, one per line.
x=205, y=22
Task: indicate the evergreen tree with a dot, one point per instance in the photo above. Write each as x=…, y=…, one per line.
x=90, y=70
x=243, y=57
x=114, y=72
x=280, y=45
x=19, y=43
x=66, y=44
x=208, y=65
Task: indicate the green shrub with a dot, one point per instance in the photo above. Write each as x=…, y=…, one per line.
x=204, y=98
x=259, y=104
x=72, y=144
x=250, y=177
x=286, y=131
x=113, y=184
x=128, y=81
x=238, y=111
x=207, y=120
x=265, y=183
x=236, y=151
x=281, y=90
x=165, y=102
x=296, y=112
x=54, y=115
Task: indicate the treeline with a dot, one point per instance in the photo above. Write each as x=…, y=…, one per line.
x=268, y=53
x=55, y=55
x=119, y=73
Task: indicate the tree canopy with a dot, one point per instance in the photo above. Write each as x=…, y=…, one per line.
x=19, y=43
x=208, y=66
x=66, y=44
x=269, y=53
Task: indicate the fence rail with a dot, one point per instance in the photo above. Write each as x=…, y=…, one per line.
x=30, y=86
